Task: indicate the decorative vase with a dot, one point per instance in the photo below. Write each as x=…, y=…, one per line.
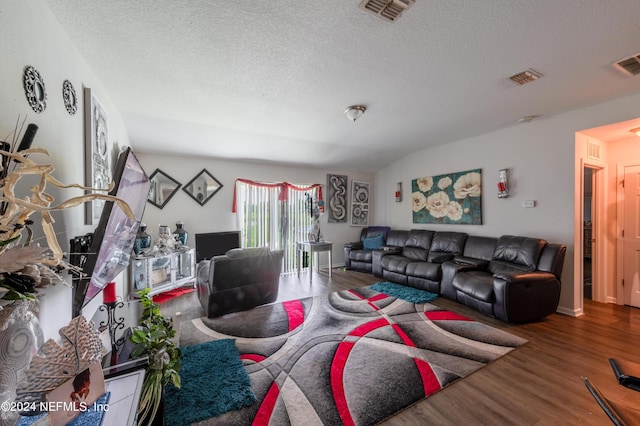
x=143, y=240
x=181, y=234
x=20, y=339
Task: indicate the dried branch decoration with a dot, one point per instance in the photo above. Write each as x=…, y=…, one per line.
x=25, y=266
x=18, y=211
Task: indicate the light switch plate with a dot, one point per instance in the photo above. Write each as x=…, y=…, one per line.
x=528, y=204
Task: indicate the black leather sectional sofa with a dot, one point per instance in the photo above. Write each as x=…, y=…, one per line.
x=513, y=278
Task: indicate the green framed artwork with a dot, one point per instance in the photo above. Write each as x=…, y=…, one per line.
x=454, y=198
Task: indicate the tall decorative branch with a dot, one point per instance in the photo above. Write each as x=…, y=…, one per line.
x=23, y=265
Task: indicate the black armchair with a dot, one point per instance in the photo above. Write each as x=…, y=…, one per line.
x=239, y=280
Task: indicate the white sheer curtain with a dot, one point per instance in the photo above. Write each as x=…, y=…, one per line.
x=274, y=215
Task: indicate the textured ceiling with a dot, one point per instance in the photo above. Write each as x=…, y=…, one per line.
x=269, y=80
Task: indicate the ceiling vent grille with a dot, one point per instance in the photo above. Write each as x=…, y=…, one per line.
x=525, y=77
x=389, y=10
x=593, y=150
x=630, y=65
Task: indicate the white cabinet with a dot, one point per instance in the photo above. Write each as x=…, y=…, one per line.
x=162, y=273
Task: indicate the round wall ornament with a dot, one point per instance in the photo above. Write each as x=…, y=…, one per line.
x=70, y=98
x=34, y=89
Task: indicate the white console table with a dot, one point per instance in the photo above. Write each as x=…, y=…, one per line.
x=162, y=273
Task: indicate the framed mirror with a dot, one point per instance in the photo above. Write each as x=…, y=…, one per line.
x=163, y=187
x=202, y=187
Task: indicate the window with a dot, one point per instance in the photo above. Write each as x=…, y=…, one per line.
x=274, y=215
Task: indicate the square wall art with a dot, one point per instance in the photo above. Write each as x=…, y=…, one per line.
x=454, y=198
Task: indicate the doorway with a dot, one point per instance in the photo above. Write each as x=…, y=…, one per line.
x=630, y=235
x=587, y=246
x=593, y=216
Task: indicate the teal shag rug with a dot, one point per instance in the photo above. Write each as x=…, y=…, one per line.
x=404, y=292
x=214, y=381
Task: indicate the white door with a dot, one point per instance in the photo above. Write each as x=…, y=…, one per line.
x=631, y=236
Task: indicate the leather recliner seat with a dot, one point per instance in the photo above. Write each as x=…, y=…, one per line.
x=520, y=283
x=239, y=280
x=358, y=255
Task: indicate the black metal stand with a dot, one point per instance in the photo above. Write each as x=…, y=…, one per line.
x=112, y=323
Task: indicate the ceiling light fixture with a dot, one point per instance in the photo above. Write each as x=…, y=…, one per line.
x=636, y=131
x=354, y=112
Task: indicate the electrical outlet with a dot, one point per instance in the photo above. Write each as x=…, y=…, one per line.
x=528, y=204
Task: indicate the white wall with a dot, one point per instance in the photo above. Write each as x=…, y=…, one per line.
x=540, y=157
x=216, y=214
x=30, y=35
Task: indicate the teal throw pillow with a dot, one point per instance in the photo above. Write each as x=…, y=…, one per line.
x=373, y=243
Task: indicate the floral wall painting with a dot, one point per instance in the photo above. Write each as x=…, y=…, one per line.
x=454, y=198
x=360, y=194
x=97, y=162
x=337, y=198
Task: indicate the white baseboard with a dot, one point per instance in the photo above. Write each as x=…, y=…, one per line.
x=570, y=312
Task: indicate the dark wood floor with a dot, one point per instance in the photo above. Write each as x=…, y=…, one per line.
x=537, y=384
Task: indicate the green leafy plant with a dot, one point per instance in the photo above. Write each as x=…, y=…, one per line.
x=153, y=338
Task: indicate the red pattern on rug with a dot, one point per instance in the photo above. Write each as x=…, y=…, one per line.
x=266, y=407
x=295, y=312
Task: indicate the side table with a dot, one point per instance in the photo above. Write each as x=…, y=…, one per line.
x=311, y=248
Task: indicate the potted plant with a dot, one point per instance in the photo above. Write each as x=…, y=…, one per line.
x=153, y=338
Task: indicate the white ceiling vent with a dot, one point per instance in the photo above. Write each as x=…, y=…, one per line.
x=525, y=77
x=630, y=65
x=390, y=10
x=593, y=150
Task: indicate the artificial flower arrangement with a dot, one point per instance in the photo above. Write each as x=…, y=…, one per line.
x=24, y=265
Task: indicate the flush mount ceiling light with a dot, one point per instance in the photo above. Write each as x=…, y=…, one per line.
x=636, y=131
x=354, y=112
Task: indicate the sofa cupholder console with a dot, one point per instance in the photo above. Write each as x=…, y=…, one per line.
x=512, y=278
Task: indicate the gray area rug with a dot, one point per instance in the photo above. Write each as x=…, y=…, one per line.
x=349, y=357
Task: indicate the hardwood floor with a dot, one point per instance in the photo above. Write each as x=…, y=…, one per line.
x=537, y=384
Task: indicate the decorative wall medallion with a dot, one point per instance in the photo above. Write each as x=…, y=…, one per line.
x=70, y=98
x=34, y=89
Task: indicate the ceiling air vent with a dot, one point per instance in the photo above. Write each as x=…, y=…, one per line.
x=630, y=65
x=525, y=77
x=390, y=10
x=593, y=150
